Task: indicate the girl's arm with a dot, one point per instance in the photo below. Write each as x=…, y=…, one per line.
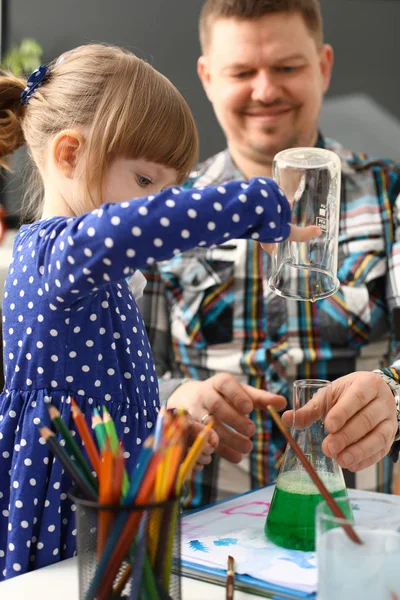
x=78, y=255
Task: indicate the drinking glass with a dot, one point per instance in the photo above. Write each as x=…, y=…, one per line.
x=350, y=571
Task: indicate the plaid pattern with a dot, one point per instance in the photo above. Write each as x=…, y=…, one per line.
x=211, y=310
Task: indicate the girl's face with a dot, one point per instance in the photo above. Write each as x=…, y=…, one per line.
x=133, y=178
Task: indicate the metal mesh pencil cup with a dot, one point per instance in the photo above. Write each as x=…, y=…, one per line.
x=151, y=565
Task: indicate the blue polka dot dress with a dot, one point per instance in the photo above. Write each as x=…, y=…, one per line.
x=71, y=327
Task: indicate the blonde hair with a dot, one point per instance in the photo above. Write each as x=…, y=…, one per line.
x=126, y=108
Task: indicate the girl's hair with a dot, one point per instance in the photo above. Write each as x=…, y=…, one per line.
x=123, y=105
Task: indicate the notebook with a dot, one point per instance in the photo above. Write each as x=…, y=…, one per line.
x=236, y=527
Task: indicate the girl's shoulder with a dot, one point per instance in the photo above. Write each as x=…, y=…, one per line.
x=38, y=230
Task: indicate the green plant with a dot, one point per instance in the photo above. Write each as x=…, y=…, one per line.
x=23, y=59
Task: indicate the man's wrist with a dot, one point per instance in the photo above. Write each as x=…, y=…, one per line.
x=395, y=389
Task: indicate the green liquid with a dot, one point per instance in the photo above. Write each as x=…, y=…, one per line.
x=291, y=518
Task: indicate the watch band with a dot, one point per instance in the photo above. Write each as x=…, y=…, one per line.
x=395, y=388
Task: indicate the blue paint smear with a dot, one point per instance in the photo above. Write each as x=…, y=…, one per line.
x=198, y=546
x=299, y=560
x=226, y=542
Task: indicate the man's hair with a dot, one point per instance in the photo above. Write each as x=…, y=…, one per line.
x=254, y=9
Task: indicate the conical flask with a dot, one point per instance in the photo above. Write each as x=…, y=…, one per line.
x=291, y=518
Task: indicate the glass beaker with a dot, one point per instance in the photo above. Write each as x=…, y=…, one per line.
x=291, y=518
x=310, y=178
x=351, y=571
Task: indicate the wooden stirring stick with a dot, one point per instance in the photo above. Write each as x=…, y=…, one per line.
x=331, y=502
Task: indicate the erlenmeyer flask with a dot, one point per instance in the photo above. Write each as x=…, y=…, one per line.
x=291, y=518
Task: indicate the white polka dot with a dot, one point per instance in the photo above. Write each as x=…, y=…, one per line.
x=158, y=242
x=109, y=242
x=196, y=196
x=13, y=414
x=110, y=371
x=16, y=567
x=91, y=231
x=217, y=206
x=272, y=224
x=54, y=384
x=236, y=218
x=279, y=208
x=278, y=239
x=40, y=370
x=211, y=225
x=115, y=220
x=54, y=357
x=18, y=504
x=51, y=528
x=24, y=524
x=164, y=221
x=27, y=462
x=143, y=211
x=259, y=210
x=221, y=189
x=136, y=231
x=130, y=252
x=185, y=233
x=72, y=354
x=77, y=329
x=97, y=383
x=171, y=203
x=255, y=236
x=39, y=545
x=53, y=332
x=85, y=368
x=244, y=186
x=264, y=193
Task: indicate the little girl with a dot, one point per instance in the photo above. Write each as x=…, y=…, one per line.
x=102, y=127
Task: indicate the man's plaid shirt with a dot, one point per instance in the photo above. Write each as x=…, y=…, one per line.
x=211, y=310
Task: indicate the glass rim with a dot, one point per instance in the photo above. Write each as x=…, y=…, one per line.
x=311, y=382
x=331, y=158
x=395, y=501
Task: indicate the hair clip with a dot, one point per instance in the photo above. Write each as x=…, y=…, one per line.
x=36, y=79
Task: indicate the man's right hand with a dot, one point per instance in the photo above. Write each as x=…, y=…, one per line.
x=229, y=403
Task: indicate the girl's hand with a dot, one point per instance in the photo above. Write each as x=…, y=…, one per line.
x=297, y=234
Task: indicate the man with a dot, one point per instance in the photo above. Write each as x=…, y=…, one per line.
x=265, y=69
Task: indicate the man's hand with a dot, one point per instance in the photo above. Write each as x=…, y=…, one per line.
x=362, y=422
x=228, y=402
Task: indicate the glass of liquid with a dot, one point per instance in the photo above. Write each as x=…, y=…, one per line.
x=290, y=521
x=310, y=178
x=350, y=571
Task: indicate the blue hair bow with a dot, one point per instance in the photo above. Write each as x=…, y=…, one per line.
x=36, y=79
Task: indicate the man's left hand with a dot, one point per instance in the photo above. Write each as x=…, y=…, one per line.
x=362, y=422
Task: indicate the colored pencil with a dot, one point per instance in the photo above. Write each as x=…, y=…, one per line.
x=129, y=530
x=192, y=456
x=69, y=466
x=105, y=496
x=86, y=436
x=99, y=429
x=138, y=474
x=230, y=578
x=62, y=428
x=111, y=432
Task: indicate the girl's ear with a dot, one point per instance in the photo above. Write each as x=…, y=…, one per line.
x=66, y=149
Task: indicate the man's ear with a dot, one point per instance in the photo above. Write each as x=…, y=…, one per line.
x=326, y=64
x=66, y=149
x=204, y=74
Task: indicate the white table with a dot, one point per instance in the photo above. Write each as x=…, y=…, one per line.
x=60, y=581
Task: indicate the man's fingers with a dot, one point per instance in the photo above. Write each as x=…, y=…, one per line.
x=372, y=460
x=229, y=454
x=229, y=388
x=356, y=429
x=234, y=440
x=315, y=409
x=261, y=398
x=377, y=441
x=352, y=399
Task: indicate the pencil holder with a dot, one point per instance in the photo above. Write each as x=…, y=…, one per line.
x=130, y=552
